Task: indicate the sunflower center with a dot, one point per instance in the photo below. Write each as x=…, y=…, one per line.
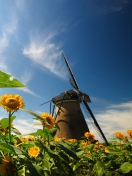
x=11, y=103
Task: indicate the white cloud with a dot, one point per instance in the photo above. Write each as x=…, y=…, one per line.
x=46, y=53
x=26, y=76
x=115, y=118
x=3, y=67
x=6, y=31
x=25, y=126
x=27, y=90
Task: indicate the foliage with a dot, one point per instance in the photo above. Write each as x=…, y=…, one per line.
x=42, y=154
x=7, y=81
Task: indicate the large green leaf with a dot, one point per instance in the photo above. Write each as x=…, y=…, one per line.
x=126, y=167
x=4, y=147
x=46, y=165
x=98, y=168
x=16, y=131
x=34, y=114
x=67, y=150
x=32, y=169
x=5, y=121
x=8, y=81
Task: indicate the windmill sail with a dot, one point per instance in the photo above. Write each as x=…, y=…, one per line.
x=72, y=78
x=85, y=99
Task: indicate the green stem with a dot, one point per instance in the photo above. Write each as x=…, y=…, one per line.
x=2, y=154
x=43, y=131
x=10, y=126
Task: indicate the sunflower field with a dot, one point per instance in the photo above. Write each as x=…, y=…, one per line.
x=42, y=154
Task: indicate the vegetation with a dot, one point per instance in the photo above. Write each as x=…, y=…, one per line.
x=41, y=154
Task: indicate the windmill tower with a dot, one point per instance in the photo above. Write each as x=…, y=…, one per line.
x=69, y=115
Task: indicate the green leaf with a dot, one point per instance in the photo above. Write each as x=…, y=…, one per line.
x=53, y=132
x=64, y=156
x=34, y=114
x=7, y=80
x=16, y=131
x=39, y=169
x=17, y=150
x=21, y=172
x=98, y=168
x=67, y=150
x=32, y=169
x=50, y=152
x=39, y=132
x=46, y=165
x=5, y=121
x=80, y=153
x=90, y=147
x=6, y=148
x=126, y=167
x=47, y=134
x=28, y=145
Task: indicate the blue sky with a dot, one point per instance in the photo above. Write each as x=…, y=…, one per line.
x=96, y=38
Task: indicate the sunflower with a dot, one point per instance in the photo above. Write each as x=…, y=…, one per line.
x=49, y=119
x=34, y=151
x=129, y=132
x=5, y=130
x=11, y=102
x=7, y=167
x=89, y=136
x=119, y=135
x=72, y=140
x=107, y=150
x=31, y=138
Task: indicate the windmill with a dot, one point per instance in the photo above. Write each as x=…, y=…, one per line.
x=69, y=115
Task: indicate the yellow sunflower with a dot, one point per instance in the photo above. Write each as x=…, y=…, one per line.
x=129, y=132
x=119, y=135
x=49, y=119
x=89, y=136
x=107, y=150
x=31, y=138
x=34, y=151
x=72, y=140
x=11, y=102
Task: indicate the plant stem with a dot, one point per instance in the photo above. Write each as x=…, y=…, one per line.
x=43, y=131
x=10, y=126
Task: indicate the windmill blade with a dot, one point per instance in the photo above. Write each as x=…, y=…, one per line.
x=45, y=103
x=91, y=120
x=72, y=80
x=95, y=122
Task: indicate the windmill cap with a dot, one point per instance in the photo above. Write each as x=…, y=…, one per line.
x=70, y=95
x=67, y=95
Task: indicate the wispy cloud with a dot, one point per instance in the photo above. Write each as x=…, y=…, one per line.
x=46, y=53
x=115, y=118
x=25, y=126
x=119, y=5
x=109, y=6
x=26, y=76
x=6, y=32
